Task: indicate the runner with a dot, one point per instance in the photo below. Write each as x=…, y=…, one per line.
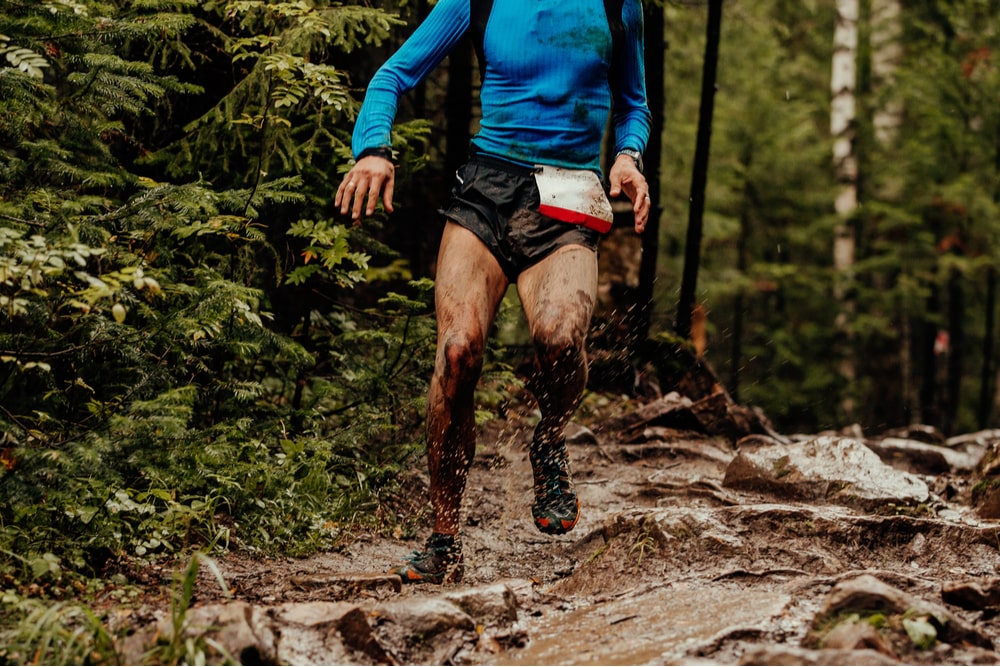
x=527, y=208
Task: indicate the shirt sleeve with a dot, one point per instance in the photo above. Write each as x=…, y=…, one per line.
x=631, y=117
x=447, y=22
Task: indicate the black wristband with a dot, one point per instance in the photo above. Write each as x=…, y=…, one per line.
x=378, y=151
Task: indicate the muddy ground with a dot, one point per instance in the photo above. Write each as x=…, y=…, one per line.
x=677, y=559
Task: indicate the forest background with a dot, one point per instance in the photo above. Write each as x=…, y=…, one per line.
x=197, y=352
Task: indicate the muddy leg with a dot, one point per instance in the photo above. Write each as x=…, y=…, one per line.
x=468, y=289
x=558, y=296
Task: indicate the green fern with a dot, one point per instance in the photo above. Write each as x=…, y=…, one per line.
x=25, y=60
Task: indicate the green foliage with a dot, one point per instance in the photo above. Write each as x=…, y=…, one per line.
x=184, y=644
x=62, y=633
x=26, y=60
x=926, y=230
x=767, y=224
x=328, y=244
x=285, y=107
x=188, y=361
x=54, y=634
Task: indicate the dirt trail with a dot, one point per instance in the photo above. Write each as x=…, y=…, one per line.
x=667, y=565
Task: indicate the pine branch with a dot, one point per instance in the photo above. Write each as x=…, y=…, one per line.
x=22, y=221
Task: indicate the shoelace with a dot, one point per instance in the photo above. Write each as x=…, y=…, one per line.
x=430, y=553
x=555, y=481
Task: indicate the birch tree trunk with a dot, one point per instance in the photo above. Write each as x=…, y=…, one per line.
x=843, y=82
x=887, y=52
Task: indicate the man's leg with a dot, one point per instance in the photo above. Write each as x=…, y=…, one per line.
x=468, y=289
x=558, y=295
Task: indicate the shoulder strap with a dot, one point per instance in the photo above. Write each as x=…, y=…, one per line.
x=479, y=16
x=613, y=10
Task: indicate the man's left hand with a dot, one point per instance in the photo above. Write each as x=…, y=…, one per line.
x=626, y=177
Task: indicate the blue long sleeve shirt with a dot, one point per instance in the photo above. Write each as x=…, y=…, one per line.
x=548, y=86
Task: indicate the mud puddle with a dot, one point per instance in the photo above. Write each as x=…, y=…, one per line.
x=660, y=626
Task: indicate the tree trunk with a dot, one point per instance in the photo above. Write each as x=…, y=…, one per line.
x=742, y=261
x=699, y=177
x=986, y=376
x=929, y=413
x=654, y=53
x=956, y=345
x=886, y=56
x=887, y=53
x=843, y=82
x=987, y=397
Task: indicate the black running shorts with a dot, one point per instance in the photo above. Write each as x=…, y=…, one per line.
x=498, y=202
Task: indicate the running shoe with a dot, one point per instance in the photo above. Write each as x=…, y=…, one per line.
x=439, y=563
x=556, y=508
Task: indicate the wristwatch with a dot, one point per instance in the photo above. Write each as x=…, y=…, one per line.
x=634, y=154
x=380, y=151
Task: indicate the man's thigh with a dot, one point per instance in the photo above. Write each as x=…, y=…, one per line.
x=558, y=294
x=469, y=284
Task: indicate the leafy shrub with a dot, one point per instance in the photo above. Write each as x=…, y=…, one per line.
x=186, y=359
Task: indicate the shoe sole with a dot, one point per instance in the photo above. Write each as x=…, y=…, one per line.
x=410, y=576
x=550, y=526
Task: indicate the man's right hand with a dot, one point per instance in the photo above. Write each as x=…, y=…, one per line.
x=369, y=177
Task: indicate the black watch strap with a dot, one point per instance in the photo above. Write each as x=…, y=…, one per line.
x=378, y=151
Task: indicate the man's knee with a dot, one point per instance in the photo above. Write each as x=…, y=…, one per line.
x=559, y=345
x=462, y=355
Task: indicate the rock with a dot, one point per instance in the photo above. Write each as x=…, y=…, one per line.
x=978, y=439
x=792, y=655
x=658, y=444
x=922, y=458
x=244, y=631
x=976, y=595
x=488, y=605
x=837, y=470
x=426, y=617
x=713, y=414
x=671, y=410
x=310, y=633
x=317, y=633
x=924, y=433
x=866, y=593
x=349, y=582
x=578, y=434
x=431, y=630
x=989, y=466
x=986, y=491
x=986, y=498
x=856, y=636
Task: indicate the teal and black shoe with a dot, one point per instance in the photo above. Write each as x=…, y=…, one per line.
x=556, y=508
x=439, y=563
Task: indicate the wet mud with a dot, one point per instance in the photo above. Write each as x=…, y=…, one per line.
x=669, y=564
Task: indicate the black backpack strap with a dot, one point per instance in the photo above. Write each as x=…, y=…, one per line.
x=479, y=16
x=613, y=9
